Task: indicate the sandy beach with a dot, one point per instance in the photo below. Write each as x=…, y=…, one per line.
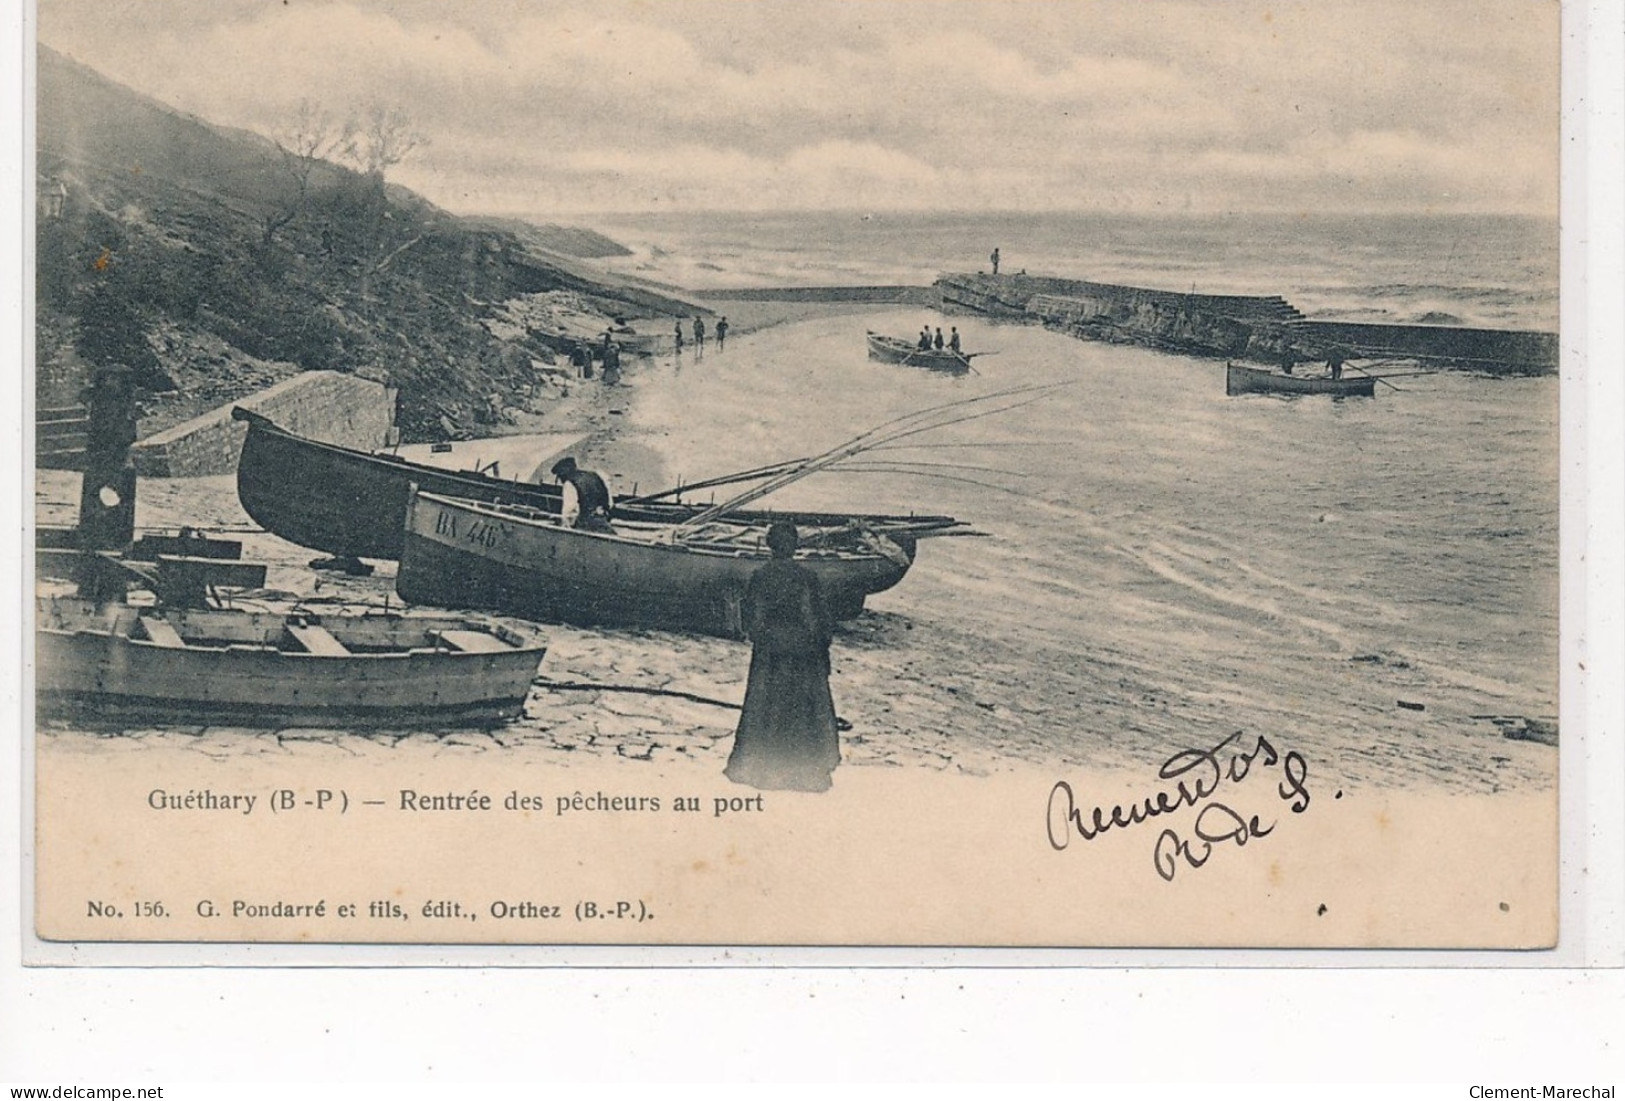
x=585, y=718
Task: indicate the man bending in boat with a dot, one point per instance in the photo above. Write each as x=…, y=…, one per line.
x=586, y=498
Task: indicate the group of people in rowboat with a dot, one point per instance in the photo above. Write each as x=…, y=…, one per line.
x=1335, y=359
x=788, y=734
x=928, y=343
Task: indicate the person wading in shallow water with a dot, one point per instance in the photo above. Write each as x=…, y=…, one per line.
x=787, y=737
x=587, y=501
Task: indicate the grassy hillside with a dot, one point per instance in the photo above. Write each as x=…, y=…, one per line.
x=189, y=252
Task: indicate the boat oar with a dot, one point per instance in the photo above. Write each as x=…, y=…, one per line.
x=897, y=428
x=587, y=686
x=768, y=471
x=1378, y=378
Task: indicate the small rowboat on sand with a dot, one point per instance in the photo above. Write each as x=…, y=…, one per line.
x=1256, y=380
x=889, y=349
x=123, y=658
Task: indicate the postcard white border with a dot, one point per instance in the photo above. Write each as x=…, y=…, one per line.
x=91, y=1021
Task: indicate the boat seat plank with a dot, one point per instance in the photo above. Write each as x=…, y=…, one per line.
x=161, y=632
x=316, y=638
x=474, y=642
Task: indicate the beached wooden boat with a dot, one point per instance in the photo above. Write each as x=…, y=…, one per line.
x=889, y=349
x=471, y=554
x=351, y=503
x=271, y=669
x=1255, y=380
x=627, y=339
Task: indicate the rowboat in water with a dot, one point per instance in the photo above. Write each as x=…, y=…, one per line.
x=351, y=503
x=890, y=349
x=1256, y=380
x=460, y=553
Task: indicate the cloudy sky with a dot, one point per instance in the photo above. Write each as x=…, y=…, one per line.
x=537, y=107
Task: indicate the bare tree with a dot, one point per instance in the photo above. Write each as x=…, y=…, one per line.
x=380, y=138
x=312, y=136
x=376, y=140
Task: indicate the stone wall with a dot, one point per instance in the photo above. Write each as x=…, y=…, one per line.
x=1015, y=295
x=1507, y=351
x=1265, y=328
x=323, y=405
x=1149, y=320
x=886, y=295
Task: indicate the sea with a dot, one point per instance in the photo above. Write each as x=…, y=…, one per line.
x=1475, y=270
x=1160, y=564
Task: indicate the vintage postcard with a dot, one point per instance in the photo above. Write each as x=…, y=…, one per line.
x=1006, y=474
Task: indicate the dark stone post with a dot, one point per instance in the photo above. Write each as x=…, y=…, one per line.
x=107, y=492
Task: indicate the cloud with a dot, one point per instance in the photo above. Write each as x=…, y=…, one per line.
x=827, y=174
x=811, y=103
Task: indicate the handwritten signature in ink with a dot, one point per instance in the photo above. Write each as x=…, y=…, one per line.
x=1197, y=774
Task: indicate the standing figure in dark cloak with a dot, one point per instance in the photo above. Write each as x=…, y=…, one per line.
x=787, y=736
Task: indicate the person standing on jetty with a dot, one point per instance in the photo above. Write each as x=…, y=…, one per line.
x=699, y=333
x=722, y=332
x=677, y=336
x=787, y=738
x=995, y=259
x=586, y=501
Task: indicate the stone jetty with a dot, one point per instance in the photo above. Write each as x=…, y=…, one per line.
x=1259, y=327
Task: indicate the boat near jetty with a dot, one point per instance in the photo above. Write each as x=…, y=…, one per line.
x=890, y=349
x=351, y=503
x=461, y=553
x=1257, y=380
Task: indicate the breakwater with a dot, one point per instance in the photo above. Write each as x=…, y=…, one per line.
x=1267, y=328
x=882, y=295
